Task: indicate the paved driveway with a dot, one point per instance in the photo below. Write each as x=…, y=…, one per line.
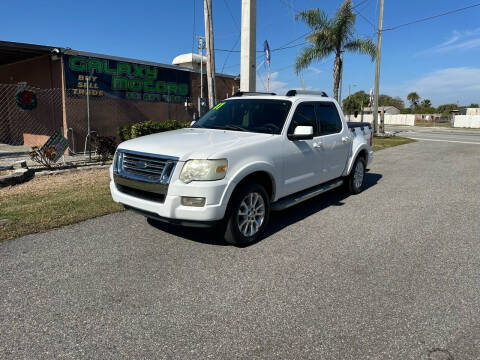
x=392, y=273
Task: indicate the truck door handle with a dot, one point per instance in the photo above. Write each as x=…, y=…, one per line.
x=317, y=144
x=345, y=139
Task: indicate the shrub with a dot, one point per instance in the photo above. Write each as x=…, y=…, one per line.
x=105, y=146
x=43, y=156
x=125, y=132
x=148, y=127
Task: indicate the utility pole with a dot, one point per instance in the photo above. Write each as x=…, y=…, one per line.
x=248, y=46
x=377, y=73
x=201, y=46
x=207, y=10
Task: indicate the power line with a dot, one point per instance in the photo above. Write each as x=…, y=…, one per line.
x=283, y=47
x=231, y=14
x=228, y=55
x=239, y=34
x=431, y=17
x=364, y=17
x=360, y=4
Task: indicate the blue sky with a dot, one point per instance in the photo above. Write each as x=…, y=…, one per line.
x=439, y=59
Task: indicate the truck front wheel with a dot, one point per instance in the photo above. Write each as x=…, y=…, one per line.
x=248, y=215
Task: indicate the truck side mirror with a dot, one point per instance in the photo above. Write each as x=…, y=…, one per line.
x=356, y=113
x=302, y=133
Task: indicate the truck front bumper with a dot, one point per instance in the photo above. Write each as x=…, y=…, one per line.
x=171, y=208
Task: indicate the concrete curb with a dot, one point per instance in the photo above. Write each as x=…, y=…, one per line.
x=13, y=154
x=57, y=172
x=18, y=177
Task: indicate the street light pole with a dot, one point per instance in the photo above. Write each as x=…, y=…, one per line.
x=377, y=72
x=349, y=91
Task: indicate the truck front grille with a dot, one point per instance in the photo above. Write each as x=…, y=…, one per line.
x=146, y=167
x=143, y=175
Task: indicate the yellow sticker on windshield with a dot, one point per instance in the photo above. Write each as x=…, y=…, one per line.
x=219, y=105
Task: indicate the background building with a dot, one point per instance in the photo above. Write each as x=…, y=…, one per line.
x=43, y=89
x=389, y=110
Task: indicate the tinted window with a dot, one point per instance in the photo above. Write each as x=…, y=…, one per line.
x=304, y=116
x=328, y=118
x=254, y=115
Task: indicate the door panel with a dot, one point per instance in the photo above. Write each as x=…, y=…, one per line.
x=302, y=161
x=336, y=143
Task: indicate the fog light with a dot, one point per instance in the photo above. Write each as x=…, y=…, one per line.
x=193, y=201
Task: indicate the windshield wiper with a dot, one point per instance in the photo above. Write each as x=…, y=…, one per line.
x=231, y=127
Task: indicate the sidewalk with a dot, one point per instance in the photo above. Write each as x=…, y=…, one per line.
x=8, y=150
x=10, y=154
x=430, y=128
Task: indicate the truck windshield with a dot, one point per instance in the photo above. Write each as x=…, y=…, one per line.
x=253, y=115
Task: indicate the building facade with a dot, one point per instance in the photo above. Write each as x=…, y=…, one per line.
x=46, y=89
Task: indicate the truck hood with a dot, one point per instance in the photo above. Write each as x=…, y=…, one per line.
x=192, y=143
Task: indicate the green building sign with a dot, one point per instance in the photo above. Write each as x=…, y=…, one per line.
x=125, y=80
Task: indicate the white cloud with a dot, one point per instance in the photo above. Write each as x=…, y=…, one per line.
x=443, y=86
x=460, y=40
x=276, y=85
x=315, y=70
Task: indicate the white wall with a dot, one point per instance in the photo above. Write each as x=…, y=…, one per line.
x=400, y=119
x=467, y=121
x=473, y=111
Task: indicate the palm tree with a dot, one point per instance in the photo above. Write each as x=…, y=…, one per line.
x=426, y=103
x=331, y=36
x=413, y=98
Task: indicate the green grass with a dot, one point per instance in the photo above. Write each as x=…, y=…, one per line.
x=383, y=142
x=49, y=202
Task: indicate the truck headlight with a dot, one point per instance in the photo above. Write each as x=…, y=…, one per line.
x=117, y=161
x=204, y=170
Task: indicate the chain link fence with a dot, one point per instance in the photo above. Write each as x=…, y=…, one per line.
x=29, y=115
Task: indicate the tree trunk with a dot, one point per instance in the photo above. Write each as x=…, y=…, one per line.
x=337, y=70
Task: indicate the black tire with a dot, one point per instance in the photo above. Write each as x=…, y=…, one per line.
x=233, y=233
x=353, y=186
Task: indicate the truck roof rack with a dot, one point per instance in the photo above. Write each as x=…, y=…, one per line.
x=306, y=92
x=252, y=93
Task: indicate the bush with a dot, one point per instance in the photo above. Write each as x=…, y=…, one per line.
x=148, y=127
x=125, y=132
x=105, y=146
x=43, y=156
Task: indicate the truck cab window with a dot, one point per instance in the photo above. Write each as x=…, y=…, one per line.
x=328, y=118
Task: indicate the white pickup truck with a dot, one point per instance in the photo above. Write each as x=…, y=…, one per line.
x=249, y=155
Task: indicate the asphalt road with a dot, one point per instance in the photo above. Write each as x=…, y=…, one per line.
x=392, y=273
x=439, y=134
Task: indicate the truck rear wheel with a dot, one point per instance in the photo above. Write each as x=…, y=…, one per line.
x=248, y=215
x=354, y=181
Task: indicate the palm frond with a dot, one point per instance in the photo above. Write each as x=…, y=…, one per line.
x=304, y=59
x=344, y=22
x=362, y=46
x=314, y=18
